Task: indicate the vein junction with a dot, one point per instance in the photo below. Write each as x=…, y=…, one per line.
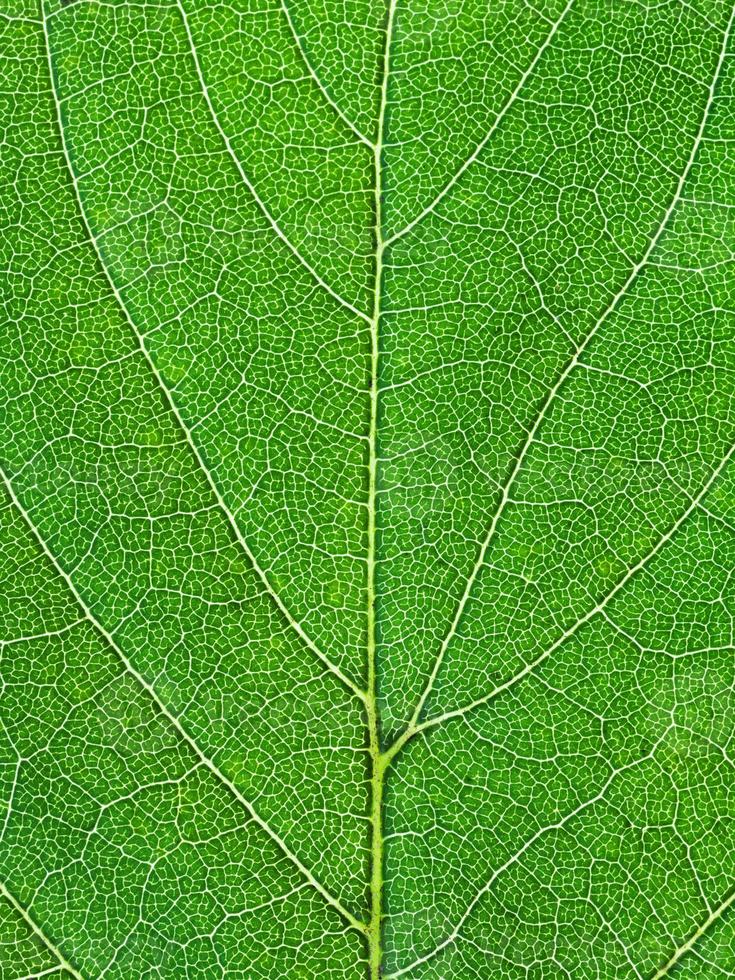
x=308, y=642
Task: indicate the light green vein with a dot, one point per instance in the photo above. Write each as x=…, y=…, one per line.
x=248, y=183
x=488, y=136
x=26, y=916
x=319, y=84
x=695, y=937
x=550, y=398
x=260, y=572
x=174, y=720
x=378, y=761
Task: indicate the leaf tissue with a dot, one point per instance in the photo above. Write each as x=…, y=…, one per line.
x=367, y=541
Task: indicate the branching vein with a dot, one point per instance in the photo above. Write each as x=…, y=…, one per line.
x=320, y=85
x=550, y=398
x=260, y=572
x=52, y=948
x=177, y=724
x=488, y=136
x=248, y=183
x=712, y=919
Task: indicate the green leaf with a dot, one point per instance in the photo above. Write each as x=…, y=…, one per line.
x=369, y=506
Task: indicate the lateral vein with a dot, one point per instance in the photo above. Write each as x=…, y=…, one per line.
x=169, y=400
x=249, y=184
x=174, y=720
x=695, y=937
x=531, y=437
x=30, y=921
x=596, y=610
x=557, y=825
x=320, y=85
x=488, y=136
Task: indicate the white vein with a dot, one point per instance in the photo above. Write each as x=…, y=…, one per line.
x=25, y=915
x=488, y=136
x=531, y=437
x=248, y=183
x=173, y=719
x=295, y=625
x=322, y=88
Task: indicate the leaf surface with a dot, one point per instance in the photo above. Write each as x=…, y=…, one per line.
x=369, y=511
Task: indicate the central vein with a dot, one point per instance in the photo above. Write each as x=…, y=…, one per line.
x=378, y=762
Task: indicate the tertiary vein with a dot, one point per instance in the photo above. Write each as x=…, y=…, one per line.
x=551, y=396
x=168, y=397
x=30, y=921
x=172, y=718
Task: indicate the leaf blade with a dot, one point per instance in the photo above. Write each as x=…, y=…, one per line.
x=392, y=467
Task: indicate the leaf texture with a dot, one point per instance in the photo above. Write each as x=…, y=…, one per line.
x=368, y=517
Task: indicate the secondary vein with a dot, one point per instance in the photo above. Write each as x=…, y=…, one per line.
x=249, y=184
x=173, y=719
x=479, y=895
x=488, y=136
x=572, y=630
x=320, y=85
x=168, y=398
x=52, y=947
x=551, y=396
x=695, y=937
x=331, y=900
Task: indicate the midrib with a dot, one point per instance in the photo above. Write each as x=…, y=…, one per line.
x=379, y=762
